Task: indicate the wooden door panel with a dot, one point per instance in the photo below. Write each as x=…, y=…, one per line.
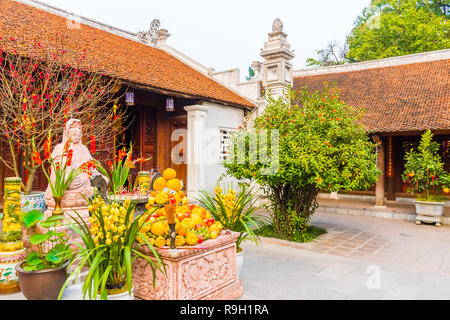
x=178, y=152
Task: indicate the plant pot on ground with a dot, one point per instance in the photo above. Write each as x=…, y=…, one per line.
x=42, y=284
x=44, y=270
x=236, y=212
x=425, y=174
x=109, y=247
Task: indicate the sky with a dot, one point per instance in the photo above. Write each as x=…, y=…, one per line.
x=229, y=34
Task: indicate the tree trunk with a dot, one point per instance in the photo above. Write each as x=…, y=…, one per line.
x=30, y=180
x=292, y=208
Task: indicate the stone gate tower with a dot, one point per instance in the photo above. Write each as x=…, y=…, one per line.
x=277, y=71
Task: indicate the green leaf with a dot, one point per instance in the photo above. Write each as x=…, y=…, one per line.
x=32, y=217
x=33, y=259
x=52, y=221
x=38, y=238
x=57, y=255
x=29, y=268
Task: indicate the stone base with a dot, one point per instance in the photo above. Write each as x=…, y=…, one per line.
x=428, y=219
x=191, y=274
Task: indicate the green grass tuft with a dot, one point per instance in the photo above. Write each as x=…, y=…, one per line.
x=310, y=234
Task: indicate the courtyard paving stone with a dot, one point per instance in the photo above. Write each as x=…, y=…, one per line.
x=413, y=262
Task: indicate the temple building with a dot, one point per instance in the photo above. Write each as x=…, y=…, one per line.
x=177, y=113
x=402, y=98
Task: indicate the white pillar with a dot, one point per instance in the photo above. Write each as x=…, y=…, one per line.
x=196, y=126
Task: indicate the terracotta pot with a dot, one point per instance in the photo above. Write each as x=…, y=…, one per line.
x=42, y=284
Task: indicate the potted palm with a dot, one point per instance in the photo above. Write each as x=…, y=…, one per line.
x=236, y=212
x=44, y=270
x=425, y=174
x=108, y=250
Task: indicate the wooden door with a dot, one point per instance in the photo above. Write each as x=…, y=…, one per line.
x=178, y=152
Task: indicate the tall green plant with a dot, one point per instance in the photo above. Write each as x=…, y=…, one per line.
x=118, y=170
x=236, y=212
x=424, y=170
x=63, y=177
x=109, y=248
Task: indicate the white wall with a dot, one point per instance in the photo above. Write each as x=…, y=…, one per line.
x=218, y=116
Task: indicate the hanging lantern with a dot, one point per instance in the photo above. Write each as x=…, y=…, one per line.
x=129, y=98
x=170, y=104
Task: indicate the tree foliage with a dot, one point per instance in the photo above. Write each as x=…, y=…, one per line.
x=321, y=146
x=399, y=27
x=389, y=28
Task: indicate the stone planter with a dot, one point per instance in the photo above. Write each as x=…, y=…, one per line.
x=42, y=284
x=34, y=200
x=429, y=212
x=191, y=274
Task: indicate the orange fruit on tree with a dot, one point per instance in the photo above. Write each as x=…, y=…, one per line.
x=169, y=174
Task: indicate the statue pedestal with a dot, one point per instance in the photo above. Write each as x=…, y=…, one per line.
x=191, y=274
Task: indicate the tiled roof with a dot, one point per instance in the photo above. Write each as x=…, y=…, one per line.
x=404, y=98
x=118, y=56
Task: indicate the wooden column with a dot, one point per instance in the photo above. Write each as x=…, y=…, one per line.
x=390, y=168
x=379, y=188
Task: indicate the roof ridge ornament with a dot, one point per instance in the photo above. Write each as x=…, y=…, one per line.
x=277, y=25
x=151, y=35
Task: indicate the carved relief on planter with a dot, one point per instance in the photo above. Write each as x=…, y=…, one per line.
x=212, y=271
x=192, y=274
x=142, y=274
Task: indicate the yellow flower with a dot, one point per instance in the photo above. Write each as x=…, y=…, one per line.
x=108, y=242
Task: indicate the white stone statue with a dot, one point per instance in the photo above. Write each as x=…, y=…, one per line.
x=81, y=185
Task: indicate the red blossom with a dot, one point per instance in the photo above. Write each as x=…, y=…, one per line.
x=37, y=158
x=121, y=155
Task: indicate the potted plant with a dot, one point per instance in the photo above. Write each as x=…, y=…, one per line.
x=59, y=177
x=108, y=250
x=236, y=212
x=119, y=169
x=44, y=270
x=424, y=172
